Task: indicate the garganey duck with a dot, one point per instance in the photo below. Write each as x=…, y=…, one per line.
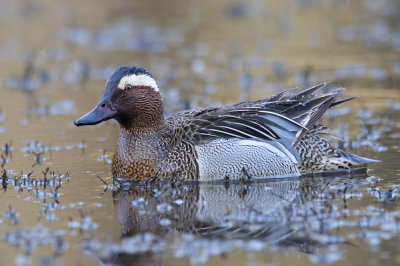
x=273, y=137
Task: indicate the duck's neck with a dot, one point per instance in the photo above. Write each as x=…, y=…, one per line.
x=143, y=126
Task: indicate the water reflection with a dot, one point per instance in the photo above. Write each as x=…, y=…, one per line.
x=210, y=219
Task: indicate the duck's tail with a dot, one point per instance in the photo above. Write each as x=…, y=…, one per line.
x=318, y=155
x=355, y=160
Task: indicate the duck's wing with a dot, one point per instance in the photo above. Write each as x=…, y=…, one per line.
x=280, y=117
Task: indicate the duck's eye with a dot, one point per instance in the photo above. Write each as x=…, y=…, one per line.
x=128, y=87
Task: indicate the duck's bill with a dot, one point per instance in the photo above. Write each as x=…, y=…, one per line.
x=102, y=112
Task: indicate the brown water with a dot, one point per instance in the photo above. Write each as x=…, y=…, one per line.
x=55, y=57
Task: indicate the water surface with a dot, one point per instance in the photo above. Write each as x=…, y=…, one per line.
x=55, y=57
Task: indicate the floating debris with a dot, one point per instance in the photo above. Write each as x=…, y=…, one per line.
x=23, y=122
x=84, y=224
x=178, y=202
x=31, y=146
x=390, y=194
x=2, y=116
x=333, y=254
x=164, y=208
x=4, y=161
x=64, y=107
x=38, y=158
x=280, y=69
x=351, y=71
x=139, y=203
x=81, y=145
x=76, y=73
x=28, y=239
x=373, y=180
x=237, y=10
x=392, y=104
x=22, y=260
x=140, y=243
x=11, y=216
x=51, y=179
x=165, y=222
x=104, y=158
x=125, y=35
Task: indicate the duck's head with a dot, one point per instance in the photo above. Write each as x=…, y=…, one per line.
x=132, y=97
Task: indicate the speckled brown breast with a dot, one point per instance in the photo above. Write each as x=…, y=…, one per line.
x=148, y=155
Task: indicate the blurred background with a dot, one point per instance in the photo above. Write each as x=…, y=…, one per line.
x=55, y=57
x=197, y=51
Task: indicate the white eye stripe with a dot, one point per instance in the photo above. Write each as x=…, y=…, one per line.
x=139, y=80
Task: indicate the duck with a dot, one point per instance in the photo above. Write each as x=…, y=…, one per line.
x=278, y=136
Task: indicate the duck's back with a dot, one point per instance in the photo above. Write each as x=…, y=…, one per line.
x=276, y=136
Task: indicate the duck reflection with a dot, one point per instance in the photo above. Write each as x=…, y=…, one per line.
x=198, y=208
x=264, y=211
